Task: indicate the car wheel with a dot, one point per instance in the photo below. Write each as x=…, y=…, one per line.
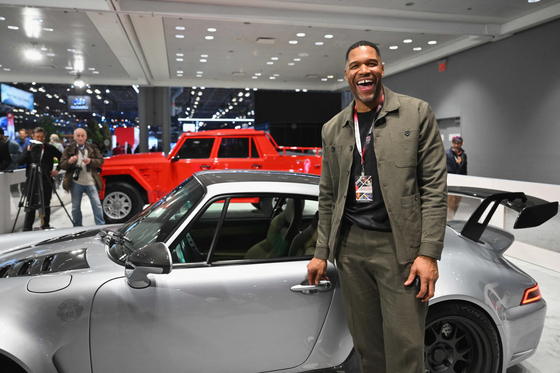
x=122, y=201
x=460, y=339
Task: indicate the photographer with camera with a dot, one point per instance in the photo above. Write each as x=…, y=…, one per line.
x=40, y=156
x=82, y=161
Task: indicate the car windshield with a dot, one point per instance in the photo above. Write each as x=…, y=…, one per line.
x=157, y=222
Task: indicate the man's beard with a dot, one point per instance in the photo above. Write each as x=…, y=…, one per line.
x=367, y=99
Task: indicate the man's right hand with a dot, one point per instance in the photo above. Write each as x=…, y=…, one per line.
x=316, y=271
x=73, y=159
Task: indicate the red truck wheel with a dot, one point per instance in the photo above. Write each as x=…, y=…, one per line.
x=122, y=201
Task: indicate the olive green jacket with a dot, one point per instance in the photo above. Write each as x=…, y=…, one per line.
x=412, y=170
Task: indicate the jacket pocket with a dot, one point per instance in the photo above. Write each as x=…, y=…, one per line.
x=405, y=148
x=412, y=219
x=333, y=159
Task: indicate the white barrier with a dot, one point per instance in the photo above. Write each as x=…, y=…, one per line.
x=9, y=198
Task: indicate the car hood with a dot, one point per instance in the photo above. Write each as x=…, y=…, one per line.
x=129, y=159
x=47, y=252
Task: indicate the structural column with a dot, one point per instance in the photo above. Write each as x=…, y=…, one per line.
x=154, y=110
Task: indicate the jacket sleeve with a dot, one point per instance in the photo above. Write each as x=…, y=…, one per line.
x=96, y=158
x=24, y=158
x=432, y=182
x=325, y=207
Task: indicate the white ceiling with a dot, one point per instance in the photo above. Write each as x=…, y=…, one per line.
x=124, y=42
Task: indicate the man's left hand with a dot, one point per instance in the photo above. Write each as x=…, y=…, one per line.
x=86, y=160
x=54, y=173
x=426, y=268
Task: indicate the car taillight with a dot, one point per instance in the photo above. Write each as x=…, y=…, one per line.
x=531, y=295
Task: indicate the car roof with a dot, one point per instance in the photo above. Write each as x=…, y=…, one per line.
x=243, y=176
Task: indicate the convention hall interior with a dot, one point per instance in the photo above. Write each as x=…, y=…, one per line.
x=488, y=69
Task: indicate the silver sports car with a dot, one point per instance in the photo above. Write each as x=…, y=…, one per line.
x=212, y=278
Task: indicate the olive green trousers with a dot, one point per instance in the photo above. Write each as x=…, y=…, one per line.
x=384, y=316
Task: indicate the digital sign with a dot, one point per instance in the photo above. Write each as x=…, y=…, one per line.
x=79, y=103
x=17, y=97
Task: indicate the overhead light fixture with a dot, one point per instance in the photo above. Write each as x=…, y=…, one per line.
x=179, y=36
x=407, y=41
x=417, y=49
x=179, y=54
x=33, y=54
x=293, y=42
x=203, y=60
x=79, y=82
x=319, y=43
x=179, y=28
x=534, y=1
x=300, y=35
x=211, y=29
x=393, y=47
x=13, y=27
x=432, y=42
x=48, y=29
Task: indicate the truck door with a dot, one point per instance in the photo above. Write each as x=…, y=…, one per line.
x=193, y=156
x=238, y=153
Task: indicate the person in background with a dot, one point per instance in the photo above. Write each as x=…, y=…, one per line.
x=13, y=148
x=456, y=164
x=117, y=150
x=23, y=140
x=82, y=160
x=55, y=141
x=5, y=157
x=382, y=206
x=46, y=162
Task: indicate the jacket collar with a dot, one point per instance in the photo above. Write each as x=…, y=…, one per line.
x=391, y=103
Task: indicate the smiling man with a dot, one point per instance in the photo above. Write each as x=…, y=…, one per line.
x=382, y=212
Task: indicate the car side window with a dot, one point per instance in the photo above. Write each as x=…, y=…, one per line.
x=193, y=245
x=234, y=147
x=266, y=228
x=196, y=148
x=254, y=152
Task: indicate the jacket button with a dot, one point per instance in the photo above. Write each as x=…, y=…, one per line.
x=407, y=133
x=344, y=195
x=333, y=148
x=351, y=148
x=347, y=172
x=382, y=120
x=416, y=198
x=385, y=185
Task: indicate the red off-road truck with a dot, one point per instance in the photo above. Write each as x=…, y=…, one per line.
x=132, y=180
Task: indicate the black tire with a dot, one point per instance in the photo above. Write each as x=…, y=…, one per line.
x=122, y=201
x=460, y=338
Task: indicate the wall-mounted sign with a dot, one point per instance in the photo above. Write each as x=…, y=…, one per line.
x=17, y=97
x=79, y=103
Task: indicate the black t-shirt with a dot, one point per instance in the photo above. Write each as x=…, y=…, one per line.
x=372, y=215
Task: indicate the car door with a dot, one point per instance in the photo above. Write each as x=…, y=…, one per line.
x=193, y=156
x=226, y=314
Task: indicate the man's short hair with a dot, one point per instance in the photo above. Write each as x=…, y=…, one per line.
x=362, y=43
x=1, y=131
x=39, y=130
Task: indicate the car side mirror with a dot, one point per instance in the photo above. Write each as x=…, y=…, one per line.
x=153, y=258
x=175, y=158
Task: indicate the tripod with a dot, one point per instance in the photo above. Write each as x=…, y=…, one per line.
x=33, y=196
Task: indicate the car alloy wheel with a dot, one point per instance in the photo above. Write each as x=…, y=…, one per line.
x=460, y=338
x=122, y=201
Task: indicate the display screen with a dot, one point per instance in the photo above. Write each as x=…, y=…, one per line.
x=17, y=97
x=79, y=103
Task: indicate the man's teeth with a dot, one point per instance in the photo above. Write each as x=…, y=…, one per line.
x=364, y=82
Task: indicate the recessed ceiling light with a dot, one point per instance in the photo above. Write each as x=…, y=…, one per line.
x=199, y=76
x=202, y=60
x=179, y=71
x=407, y=41
x=393, y=47
x=68, y=67
x=319, y=43
x=254, y=77
x=300, y=35
x=340, y=80
x=13, y=27
x=323, y=79
x=270, y=63
x=50, y=54
x=44, y=49
x=330, y=76
x=276, y=74
x=534, y=1
x=180, y=28
x=71, y=50
x=258, y=74
x=179, y=59
x=91, y=68
x=291, y=64
x=6, y=69
x=293, y=42
x=179, y=36
x=48, y=29
x=274, y=58
x=272, y=77
x=179, y=54
x=211, y=29
x=2, y=19
x=204, y=55
x=328, y=36
x=179, y=75
x=304, y=90
x=297, y=59
x=200, y=72
x=417, y=49
x=303, y=55
x=432, y=42
x=209, y=37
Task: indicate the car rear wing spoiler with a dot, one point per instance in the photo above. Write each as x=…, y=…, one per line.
x=532, y=211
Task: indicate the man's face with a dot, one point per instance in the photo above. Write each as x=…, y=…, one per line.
x=80, y=136
x=22, y=134
x=363, y=73
x=456, y=145
x=39, y=136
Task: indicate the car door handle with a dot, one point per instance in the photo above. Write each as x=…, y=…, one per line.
x=257, y=166
x=312, y=289
x=204, y=167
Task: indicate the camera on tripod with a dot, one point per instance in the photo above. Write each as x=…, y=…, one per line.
x=36, y=150
x=76, y=173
